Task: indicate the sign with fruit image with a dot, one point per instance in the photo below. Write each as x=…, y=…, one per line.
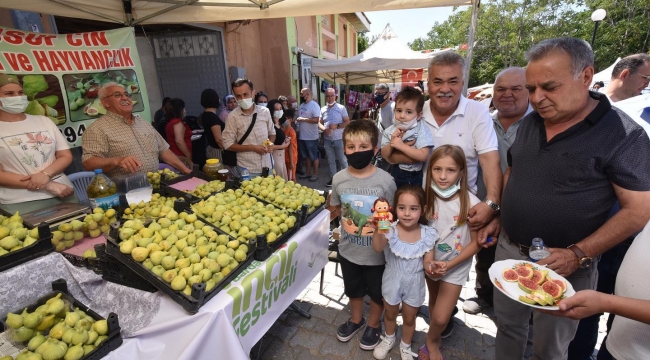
x=530, y=284
x=62, y=74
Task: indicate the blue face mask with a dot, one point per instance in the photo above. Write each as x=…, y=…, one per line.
x=448, y=192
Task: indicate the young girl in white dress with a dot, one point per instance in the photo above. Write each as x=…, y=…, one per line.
x=408, y=241
x=448, y=202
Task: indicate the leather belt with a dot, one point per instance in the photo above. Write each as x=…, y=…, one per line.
x=523, y=249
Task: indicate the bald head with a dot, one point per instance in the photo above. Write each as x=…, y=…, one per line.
x=305, y=93
x=510, y=93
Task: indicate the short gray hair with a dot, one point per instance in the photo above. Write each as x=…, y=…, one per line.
x=509, y=69
x=382, y=86
x=446, y=58
x=578, y=50
x=102, y=90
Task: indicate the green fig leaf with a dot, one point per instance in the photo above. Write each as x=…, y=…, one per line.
x=33, y=84
x=50, y=100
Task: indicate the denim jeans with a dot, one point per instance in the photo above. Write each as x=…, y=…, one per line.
x=334, y=151
x=403, y=177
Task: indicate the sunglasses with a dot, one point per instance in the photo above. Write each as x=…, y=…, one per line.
x=119, y=95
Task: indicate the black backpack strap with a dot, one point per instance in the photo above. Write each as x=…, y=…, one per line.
x=250, y=128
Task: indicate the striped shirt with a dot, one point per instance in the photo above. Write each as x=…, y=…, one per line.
x=333, y=115
x=111, y=136
x=236, y=125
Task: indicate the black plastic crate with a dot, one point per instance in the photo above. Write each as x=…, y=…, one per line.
x=41, y=247
x=114, y=339
x=190, y=303
x=116, y=272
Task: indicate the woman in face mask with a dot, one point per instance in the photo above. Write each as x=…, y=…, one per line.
x=177, y=133
x=229, y=104
x=261, y=99
x=33, y=154
x=281, y=140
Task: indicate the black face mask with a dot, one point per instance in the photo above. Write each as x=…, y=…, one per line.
x=302, y=99
x=360, y=159
x=379, y=99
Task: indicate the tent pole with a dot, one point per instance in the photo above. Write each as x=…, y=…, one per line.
x=128, y=11
x=470, y=43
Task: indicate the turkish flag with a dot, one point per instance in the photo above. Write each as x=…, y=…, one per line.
x=410, y=77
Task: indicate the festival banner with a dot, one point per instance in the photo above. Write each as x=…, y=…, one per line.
x=62, y=74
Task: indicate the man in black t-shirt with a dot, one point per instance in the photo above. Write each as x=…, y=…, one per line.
x=573, y=158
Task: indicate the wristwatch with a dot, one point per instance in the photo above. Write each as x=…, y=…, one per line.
x=491, y=204
x=584, y=261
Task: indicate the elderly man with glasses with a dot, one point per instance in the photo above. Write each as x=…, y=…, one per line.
x=120, y=142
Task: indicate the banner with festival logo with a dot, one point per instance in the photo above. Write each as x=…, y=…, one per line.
x=61, y=74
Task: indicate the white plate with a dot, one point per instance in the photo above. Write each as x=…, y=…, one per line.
x=512, y=290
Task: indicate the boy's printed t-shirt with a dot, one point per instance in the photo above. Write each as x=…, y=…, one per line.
x=420, y=133
x=357, y=197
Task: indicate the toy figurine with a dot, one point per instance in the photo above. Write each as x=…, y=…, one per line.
x=382, y=215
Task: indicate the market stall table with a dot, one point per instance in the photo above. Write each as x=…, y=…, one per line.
x=155, y=327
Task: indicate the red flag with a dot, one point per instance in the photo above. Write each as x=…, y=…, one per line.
x=410, y=77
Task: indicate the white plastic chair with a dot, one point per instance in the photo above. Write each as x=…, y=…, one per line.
x=81, y=180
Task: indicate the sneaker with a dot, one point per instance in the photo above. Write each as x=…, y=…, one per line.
x=348, y=329
x=370, y=338
x=475, y=305
x=313, y=178
x=449, y=329
x=406, y=353
x=303, y=176
x=382, y=350
x=329, y=183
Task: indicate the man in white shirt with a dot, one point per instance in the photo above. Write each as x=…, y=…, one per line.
x=334, y=117
x=308, y=118
x=251, y=153
x=455, y=120
x=629, y=77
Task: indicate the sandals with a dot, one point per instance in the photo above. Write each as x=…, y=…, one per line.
x=423, y=349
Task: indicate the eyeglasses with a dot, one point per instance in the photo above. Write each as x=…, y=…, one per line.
x=119, y=95
x=645, y=77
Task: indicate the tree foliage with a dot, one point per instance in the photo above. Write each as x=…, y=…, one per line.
x=507, y=28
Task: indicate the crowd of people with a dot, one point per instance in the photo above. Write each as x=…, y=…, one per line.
x=555, y=160
x=421, y=188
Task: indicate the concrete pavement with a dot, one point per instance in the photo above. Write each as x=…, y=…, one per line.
x=294, y=337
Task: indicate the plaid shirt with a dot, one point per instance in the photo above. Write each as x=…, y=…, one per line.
x=236, y=126
x=111, y=136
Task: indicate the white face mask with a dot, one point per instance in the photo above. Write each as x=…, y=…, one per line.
x=245, y=103
x=448, y=192
x=278, y=114
x=263, y=104
x=407, y=125
x=14, y=104
x=294, y=105
x=331, y=104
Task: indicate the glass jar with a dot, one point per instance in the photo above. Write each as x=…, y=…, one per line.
x=212, y=167
x=223, y=175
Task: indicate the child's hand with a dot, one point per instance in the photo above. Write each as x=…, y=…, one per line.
x=438, y=268
x=396, y=142
x=397, y=133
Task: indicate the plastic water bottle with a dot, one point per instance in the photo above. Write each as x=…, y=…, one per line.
x=538, y=250
x=102, y=191
x=245, y=175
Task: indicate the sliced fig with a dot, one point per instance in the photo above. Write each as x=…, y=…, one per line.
x=510, y=275
x=552, y=289
x=524, y=272
x=527, y=285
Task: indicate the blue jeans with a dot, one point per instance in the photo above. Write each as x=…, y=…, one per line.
x=403, y=177
x=334, y=152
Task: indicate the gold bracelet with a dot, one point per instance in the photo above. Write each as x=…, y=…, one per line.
x=48, y=175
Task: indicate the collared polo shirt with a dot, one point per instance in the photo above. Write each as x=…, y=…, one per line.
x=505, y=139
x=333, y=115
x=112, y=136
x=561, y=190
x=469, y=127
x=236, y=125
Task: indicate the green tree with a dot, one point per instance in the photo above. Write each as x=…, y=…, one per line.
x=507, y=28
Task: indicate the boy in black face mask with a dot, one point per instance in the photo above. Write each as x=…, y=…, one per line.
x=354, y=191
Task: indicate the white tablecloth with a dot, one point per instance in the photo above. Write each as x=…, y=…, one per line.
x=234, y=320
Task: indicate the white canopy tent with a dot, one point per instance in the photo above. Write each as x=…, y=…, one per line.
x=134, y=12
x=383, y=62
x=605, y=76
